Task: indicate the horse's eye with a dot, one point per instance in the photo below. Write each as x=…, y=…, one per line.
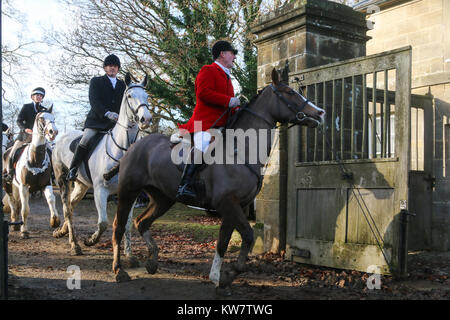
x=129, y=95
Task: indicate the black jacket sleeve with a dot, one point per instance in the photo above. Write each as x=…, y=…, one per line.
x=22, y=118
x=95, y=90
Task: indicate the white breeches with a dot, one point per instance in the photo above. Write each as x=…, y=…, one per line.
x=202, y=140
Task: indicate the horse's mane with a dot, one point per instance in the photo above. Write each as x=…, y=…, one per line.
x=236, y=115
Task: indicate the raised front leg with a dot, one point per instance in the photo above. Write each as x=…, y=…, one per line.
x=233, y=217
x=54, y=216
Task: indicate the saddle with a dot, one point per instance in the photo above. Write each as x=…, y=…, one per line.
x=91, y=147
x=17, y=155
x=15, y=160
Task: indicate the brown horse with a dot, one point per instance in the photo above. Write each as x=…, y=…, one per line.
x=228, y=188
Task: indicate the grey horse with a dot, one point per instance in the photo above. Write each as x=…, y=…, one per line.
x=228, y=188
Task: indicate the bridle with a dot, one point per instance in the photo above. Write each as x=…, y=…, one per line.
x=299, y=115
x=42, y=125
x=133, y=119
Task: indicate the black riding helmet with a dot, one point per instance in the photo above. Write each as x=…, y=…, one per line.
x=38, y=90
x=111, y=60
x=220, y=46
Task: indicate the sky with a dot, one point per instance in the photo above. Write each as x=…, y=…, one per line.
x=37, y=18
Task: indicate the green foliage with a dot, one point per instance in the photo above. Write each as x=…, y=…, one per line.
x=186, y=28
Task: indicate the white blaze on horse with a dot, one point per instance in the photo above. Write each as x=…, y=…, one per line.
x=134, y=117
x=33, y=173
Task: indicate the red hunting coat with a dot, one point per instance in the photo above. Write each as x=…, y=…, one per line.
x=213, y=89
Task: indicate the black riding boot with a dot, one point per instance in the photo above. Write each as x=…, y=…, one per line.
x=78, y=157
x=10, y=170
x=186, y=190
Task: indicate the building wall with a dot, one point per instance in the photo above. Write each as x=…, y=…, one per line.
x=425, y=25
x=303, y=34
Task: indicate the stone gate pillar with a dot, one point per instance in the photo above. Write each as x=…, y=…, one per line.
x=302, y=34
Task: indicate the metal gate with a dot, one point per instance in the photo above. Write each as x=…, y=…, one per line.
x=348, y=180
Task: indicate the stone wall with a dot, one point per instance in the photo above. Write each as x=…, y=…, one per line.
x=425, y=25
x=302, y=34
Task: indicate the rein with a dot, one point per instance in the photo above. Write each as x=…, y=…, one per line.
x=299, y=116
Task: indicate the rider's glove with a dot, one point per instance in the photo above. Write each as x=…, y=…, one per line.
x=112, y=116
x=234, y=102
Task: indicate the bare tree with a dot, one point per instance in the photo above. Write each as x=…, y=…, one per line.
x=16, y=57
x=169, y=40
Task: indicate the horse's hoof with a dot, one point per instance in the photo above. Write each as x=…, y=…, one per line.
x=122, y=276
x=55, y=222
x=132, y=262
x=226, y=278
x=76, y=251
x=151, y=266
x=25, y=235
x=15, y=228
x=239, y=268
x=224, y=291
x=89, y=242
x=58, y=233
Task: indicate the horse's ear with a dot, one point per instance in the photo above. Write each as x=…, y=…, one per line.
x=275, y=77
x=144, y=81
x=285, y=73
x=128, y=79
x=50, y=109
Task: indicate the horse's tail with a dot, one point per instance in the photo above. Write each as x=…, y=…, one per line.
x=112, y=172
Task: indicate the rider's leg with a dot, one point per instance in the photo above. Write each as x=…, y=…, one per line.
x=10, y=165
x=80, y=153
x=186, y=190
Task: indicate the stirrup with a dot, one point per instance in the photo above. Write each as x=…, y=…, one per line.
x=185, y=193
x=72, y=175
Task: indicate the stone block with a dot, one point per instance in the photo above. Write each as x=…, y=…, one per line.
x=317, y=60
x=297, y=44
x=265, y=55
x=436, y=65
x=280, y=50
x=271, y=187
x=429, y=19
x=258, y=233
x=312, y=43
x=418, y=38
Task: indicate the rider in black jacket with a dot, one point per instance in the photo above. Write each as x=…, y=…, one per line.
x=25, y=120
x=105, y=97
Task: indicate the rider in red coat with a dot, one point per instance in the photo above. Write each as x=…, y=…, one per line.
x=214, y=91
x=215, y=94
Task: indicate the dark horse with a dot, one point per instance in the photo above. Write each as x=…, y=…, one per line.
x=228, y=188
